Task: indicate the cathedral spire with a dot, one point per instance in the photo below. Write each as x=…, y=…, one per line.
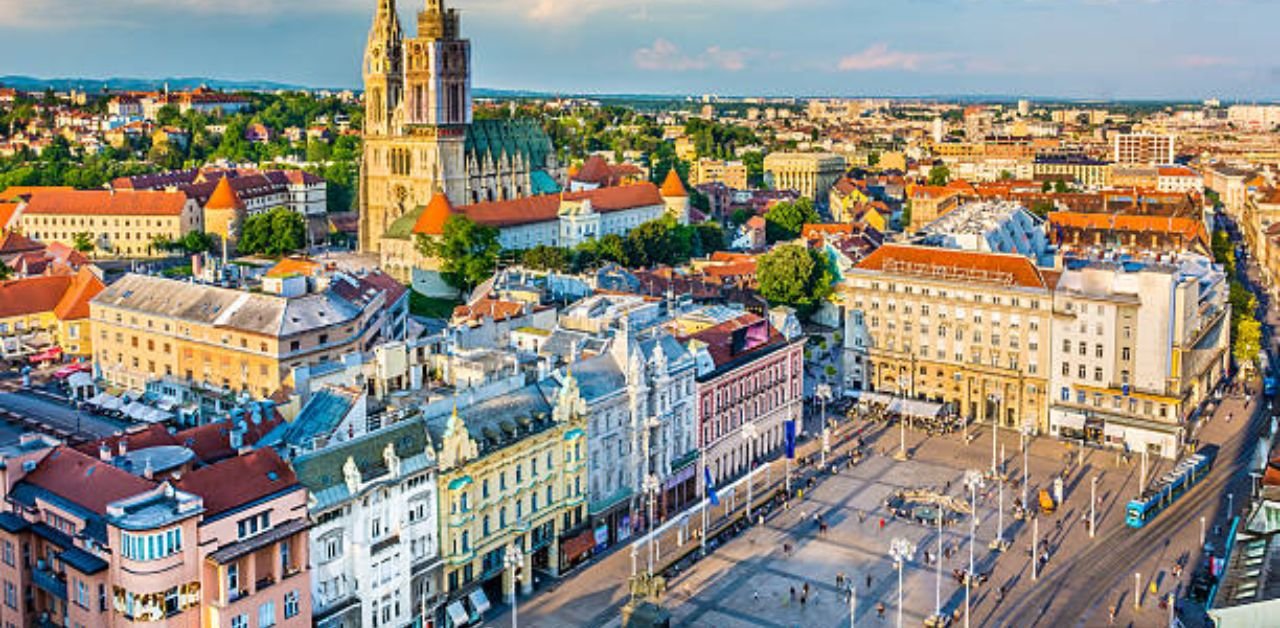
x=383, y=77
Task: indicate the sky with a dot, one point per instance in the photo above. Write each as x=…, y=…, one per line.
x=1106, y=49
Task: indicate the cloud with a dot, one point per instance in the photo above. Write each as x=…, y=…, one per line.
x=880, y=57
x=572, y=12
x=666, y=56
x=1204, y=61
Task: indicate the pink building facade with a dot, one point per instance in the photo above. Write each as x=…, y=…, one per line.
x=154, y=536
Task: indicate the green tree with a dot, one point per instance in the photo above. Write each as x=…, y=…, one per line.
x=1224, y=252
x=794, y=275
x=468, y=251
x=543, y=257
x=273, y=233
x=1059, y=187
x=939, y=175
x=1046, y=186
x=168, y=115
x=784, y=220
x=83, y=242
x=648, y=244
x=5, y=271
x=710, y=237
x=1247, y=341
x=1041, y=208
x=740, y=216
x=196, y=242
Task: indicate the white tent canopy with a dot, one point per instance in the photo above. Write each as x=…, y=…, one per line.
x=899, y=405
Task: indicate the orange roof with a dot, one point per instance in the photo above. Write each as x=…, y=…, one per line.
x=18, y=193
x=32, y=295
x=14, y=242
x=931, y=191
x=432, y=220
x=7, y=211
x=1176, y=171
x=810, y=230
x=545, y=207
x=107, y=202
x=671, y=186
x=594, y=170
x=224, y=197
x=75, y=301
x=1185, y=227
x=496, y=309
x=294, y=266
x=954, y=264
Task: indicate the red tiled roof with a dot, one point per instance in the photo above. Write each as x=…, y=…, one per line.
x=32, y=295
x=294, y=266
x=84, y=480
x=812, y=230
x=106, y=202
x=14, y=242
x=211, y=442
x=240, y=480
x=7, y=211
x=977, y=266
x=719, y=338
x=545, y=207
x=74, y=303
x=433, y=217
x=224, y=197
x=18, y=193
x=1188, y=228
x=672, y=187
x=496, y=309
x=594, y=170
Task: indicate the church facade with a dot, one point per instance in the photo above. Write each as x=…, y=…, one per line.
x=419, y=136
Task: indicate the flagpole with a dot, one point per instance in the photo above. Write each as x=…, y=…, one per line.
x=706, y=488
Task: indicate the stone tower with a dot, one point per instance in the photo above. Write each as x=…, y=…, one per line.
x=417, y=110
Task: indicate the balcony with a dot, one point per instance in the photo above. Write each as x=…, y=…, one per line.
x=53, y=583
x=386, y=543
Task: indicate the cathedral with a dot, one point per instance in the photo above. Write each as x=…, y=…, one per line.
x=419, y=137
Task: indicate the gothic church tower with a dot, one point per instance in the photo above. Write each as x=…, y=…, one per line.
x=417, y=109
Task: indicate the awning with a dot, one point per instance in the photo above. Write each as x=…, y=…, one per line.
x=457, y=615
x=48, y=355
x=479, y=601
x=80, y=379
x=135, y=411
x=109, y=402
x=578, y=546
x=1070, y=420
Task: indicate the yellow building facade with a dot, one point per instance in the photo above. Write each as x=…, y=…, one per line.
x=962, y=328
x=148, y=328
x=810, y=174
x=120, y=223
x=512, y=473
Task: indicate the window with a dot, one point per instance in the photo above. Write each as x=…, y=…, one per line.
x=267, y=615
x=1124, y=353
x=240, y=621
x=1066, y=369
x=7, y=553
x=233, y=579
x=1066, y=345
x=151, y=546
x=290, y=604
x=1097, y=373
x=1097, y=351
x=10, y=595
x=82, y=594
x=1082, y=372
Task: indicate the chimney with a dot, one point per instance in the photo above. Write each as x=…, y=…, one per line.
x=123, y=446
x=104, y=452
x=147, y=471
x=236, y=437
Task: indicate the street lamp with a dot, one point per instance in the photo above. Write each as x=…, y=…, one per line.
x=514, y=560
x=903, y=385
x=995, y=424
x=999, y=544
x=1093, y=505
x=900, y=550
x=823, y=393
x=1026, y=434
x=749, y=433
x=973, y=482
x=651, y=488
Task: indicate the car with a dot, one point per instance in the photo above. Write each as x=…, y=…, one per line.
x=1269, y=386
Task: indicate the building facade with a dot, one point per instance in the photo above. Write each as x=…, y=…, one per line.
x=512, y=473
x=375, y=558
x=1136, y=347
x=810, y=174
x=148, y=328
x=966, y=329
x=1143, y=148
x=730, y=173
x=120, y=224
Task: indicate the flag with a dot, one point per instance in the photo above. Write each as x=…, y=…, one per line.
x=789, y=437
x=711, y=487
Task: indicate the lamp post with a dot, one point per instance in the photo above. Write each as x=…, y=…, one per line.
x=973, y=482
x=937, y=587
x=995, y=425
x=999, y=544
x=749, y=433
x=964, y=421
x=1201, y=531
x=1137, y=591
x=900, y=550
x=903, y=385
x=651, y=487
x=1231, y=500
x=1026, y=434
x=1035, y=548
x=1093, y=505
x=514, y=559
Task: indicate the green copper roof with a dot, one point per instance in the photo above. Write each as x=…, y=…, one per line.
x=402, y=227
x=542, y=183
x=523, y=136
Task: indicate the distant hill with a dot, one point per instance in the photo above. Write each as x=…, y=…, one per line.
x=30, y=83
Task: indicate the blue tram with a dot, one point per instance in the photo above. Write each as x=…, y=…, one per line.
x=1169, y=487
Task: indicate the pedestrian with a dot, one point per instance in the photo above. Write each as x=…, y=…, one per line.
x=882, y=524
x=755, y=595
x=868, y=581
x=793, y=593
x=806, y=589
x=803, y=598
x=880, y=610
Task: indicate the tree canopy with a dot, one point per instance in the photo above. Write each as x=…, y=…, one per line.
x=794, y=275
x=468, y=251
x=273, y=233
x=785, y=219
x=939, y=175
